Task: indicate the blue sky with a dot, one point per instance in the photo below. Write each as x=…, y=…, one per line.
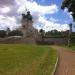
x=60, y=15
x=47, y=14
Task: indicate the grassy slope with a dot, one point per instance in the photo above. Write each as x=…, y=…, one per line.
x=72, y=47
x=14, y=58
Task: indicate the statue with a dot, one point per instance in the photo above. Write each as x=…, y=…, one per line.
x=27, y=26
x=27, y=16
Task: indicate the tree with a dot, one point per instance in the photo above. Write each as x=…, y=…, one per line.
x=42, y=33
x=69, y=34
x=2, y=33
x=15, y=33
x=70, y=4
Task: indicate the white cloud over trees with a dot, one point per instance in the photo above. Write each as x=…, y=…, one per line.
x=38, y=12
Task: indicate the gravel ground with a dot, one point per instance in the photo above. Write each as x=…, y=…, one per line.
x=66, y=63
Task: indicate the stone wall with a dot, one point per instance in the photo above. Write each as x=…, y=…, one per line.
x=53, y=41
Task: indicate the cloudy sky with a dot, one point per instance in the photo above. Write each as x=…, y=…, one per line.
x=47, y=14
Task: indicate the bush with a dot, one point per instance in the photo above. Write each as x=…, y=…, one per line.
x=2, y=33
x=15, y=33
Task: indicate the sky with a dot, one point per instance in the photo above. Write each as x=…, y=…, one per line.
x=47, y=14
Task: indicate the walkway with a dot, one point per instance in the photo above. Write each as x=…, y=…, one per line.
x=66, y=63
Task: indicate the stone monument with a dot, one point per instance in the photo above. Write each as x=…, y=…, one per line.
x=29, y=32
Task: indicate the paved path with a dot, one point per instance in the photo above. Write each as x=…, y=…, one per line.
x=66, y=64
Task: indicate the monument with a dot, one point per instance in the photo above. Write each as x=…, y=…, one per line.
x=29, y=32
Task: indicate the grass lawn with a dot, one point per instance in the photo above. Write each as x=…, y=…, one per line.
x=20, y=59
x=72, y=47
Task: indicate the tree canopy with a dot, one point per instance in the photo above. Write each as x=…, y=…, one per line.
x=2, y=33
x=70, y=4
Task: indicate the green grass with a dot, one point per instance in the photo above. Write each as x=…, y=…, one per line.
x=72, y=47
x=16, y=57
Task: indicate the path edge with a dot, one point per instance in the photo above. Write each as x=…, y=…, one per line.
x=56, y=64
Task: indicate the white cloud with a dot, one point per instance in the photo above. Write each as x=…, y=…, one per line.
x=34, y=7
x=38, y=12
x=50, y=25
x=10, y=22
x=5, y=9
x=65, y=10
x=68, y=13
x=1, y=17
x=53, y=20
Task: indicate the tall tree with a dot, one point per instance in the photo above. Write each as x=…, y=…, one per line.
x=69, y=35
x=70, y=4
x=2, y=33
x=42, y=32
